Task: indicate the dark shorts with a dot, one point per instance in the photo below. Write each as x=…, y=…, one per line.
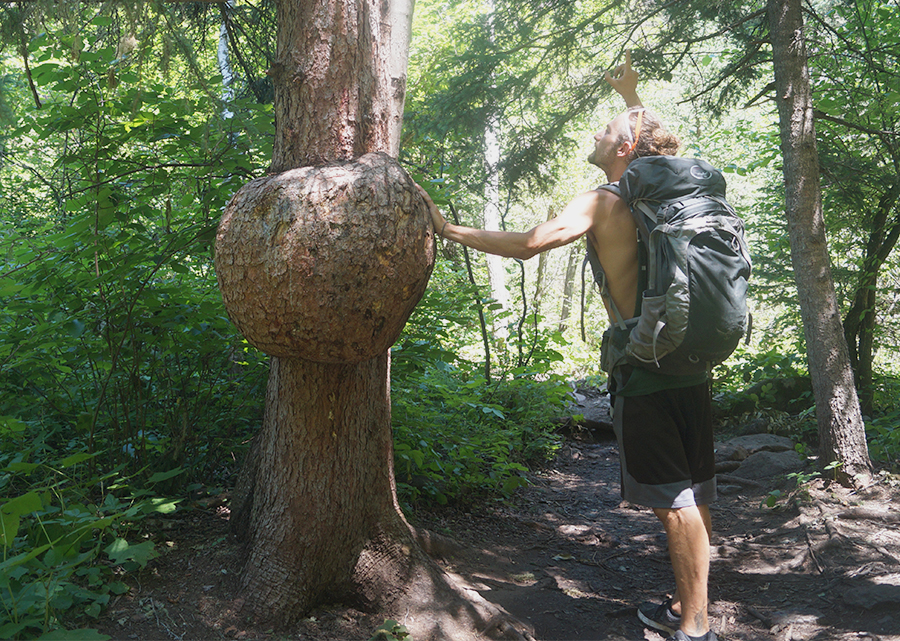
x=666, y=447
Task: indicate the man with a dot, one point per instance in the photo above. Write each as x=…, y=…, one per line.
x=663, y=423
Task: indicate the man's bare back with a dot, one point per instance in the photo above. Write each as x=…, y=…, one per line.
x=614, y=237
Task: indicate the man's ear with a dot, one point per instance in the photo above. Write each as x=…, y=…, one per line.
x=625, y=149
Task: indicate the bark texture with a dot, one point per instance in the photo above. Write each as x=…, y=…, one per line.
x=320, y=265
x=340, y=79
x=841, y=430
x=325, y=263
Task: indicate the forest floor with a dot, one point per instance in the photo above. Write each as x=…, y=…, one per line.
x=568, y=556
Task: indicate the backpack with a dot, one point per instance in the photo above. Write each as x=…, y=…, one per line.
x=695, y=266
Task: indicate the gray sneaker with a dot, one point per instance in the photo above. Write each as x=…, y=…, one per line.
x=681, y=636
x=659, y=616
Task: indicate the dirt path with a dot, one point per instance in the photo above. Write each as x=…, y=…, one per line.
x=572, y=559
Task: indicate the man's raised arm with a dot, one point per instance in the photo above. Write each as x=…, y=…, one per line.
x=624, y=80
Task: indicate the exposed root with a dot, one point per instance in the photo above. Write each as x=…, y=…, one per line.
x=435, y=606
x=871, y=515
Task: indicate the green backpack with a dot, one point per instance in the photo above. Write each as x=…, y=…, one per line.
x=693, y=307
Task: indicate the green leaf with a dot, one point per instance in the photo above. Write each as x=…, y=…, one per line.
x=74, y=459
x=10, y=630
x=165, y=476
x=22, y=558
x=162, y=505
x=86, y=634
x=27, y=468
x=120, y=551
x=75, y=327
x=11, y=424
x=118, y=587
x=22, y=505
x=9, y=527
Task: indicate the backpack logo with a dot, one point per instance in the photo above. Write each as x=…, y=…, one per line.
x=700, y=173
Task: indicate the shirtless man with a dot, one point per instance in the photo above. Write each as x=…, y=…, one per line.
x=655, y=415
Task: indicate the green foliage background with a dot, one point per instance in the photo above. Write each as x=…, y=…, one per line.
x=123, y=383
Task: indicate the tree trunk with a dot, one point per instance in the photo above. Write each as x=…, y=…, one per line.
x=496, y=271
x=340, y=79
x=224, y=61
x=841, y=430
x=860, y=321
x=320, y=265
x=541, y=274
x=569, y=286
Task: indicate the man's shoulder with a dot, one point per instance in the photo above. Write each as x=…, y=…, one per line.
x=607, y=200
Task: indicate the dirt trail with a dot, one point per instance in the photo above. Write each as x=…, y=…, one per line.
x=570, y=557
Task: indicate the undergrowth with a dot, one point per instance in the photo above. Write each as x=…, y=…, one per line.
x=70, y=534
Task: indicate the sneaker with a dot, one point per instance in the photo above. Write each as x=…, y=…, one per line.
x=659, y=616
x=681, y=636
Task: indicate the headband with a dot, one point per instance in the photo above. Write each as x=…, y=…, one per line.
x=637, y=127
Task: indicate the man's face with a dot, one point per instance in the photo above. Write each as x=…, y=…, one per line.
x=608, y=142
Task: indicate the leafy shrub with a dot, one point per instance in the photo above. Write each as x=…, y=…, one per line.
x=458, y=435
x=68, y=535
x=883, y=435
x=747, y=376
x=112, y=322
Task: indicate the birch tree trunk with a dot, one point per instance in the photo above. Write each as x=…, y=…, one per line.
x=496, y=272
x=224, y=62
x=841, y=430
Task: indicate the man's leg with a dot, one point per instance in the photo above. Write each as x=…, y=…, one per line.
x=689, y=530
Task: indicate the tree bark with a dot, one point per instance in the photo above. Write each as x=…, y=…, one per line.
x=320, y=265
x=495, y=269
x=860, y=321
x=541, y=275
x=569, y=286
x=840, y=425
x=340, y=79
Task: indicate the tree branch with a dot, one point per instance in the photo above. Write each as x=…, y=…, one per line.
x=852, y=125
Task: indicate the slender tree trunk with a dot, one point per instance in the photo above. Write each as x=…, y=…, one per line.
x=860, y=321
x=224, y=62
x=541, y=274
x=492, y=218
x=496, y=272
x=569, y=286
x=841, y=430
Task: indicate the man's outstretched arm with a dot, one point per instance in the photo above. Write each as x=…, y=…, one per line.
x=571, y=224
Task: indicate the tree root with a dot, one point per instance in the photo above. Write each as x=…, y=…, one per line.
x=869, y=514
x=436, y=606
x=737, y=480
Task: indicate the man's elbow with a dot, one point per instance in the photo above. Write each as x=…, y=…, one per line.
x=524, y=253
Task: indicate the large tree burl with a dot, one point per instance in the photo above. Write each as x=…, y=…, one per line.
x=325, y=263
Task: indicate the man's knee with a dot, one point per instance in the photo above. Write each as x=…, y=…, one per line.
x=681, y=517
